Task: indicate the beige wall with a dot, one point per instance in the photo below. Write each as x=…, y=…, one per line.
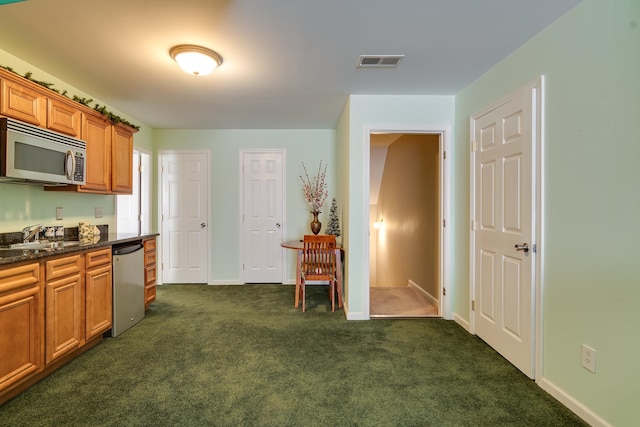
x=407, y=242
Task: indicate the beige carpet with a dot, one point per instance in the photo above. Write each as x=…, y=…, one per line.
x=399, y=302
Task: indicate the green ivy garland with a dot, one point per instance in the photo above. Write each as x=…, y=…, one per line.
x=114, y=119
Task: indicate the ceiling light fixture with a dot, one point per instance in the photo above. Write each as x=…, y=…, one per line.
x=196, y=60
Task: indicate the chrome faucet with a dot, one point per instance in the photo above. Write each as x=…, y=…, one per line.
x=31, y=231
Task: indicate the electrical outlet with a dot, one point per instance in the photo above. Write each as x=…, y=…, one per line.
x=98, y=212
x=588, y=358
x=58, y=213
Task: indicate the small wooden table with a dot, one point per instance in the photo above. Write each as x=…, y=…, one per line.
x=298, y=245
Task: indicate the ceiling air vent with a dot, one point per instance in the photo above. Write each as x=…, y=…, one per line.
x=379, y=61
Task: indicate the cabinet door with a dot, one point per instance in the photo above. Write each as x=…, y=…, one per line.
x=99, y=292
x=63, y=316
x=97, y=134
x=99, y=301
x=22, y=103
x=64, y=118
x=122, y=160
x=21, y=317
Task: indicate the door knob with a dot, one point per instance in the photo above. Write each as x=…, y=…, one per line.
x=203, y=225
x=523, y=247
x=278, y=224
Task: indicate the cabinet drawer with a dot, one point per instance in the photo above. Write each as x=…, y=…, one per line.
x=98, y=258
x=149, y=295
x=15, y=278
x=150, y=274
x=149, y=258
x=150, y=245
x=61, y=267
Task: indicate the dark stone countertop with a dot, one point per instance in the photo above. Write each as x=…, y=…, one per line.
x=19, y=255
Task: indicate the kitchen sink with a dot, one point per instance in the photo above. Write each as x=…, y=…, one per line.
x=40, y=245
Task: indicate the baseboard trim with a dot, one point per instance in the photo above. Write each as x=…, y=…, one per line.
x=573, y=404
x=462, y=322
x=225, y=282
x=433, y=300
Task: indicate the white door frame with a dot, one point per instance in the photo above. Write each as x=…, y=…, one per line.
x=159, y=250
x=445, y=232
x=283, y=153
x=537, y=148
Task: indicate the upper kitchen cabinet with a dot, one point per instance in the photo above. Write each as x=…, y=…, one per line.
x=63, y=118
x=122, y=160
x=22, y=103
x=96, y=132
x=109, y=161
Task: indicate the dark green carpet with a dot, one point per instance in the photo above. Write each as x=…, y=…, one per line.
x=243, y=356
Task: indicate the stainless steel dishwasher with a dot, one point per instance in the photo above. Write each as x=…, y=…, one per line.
x=128, y=285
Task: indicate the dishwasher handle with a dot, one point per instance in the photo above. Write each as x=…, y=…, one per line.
x=127, y=249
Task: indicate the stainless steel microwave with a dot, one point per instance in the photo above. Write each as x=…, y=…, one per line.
x=32, y=155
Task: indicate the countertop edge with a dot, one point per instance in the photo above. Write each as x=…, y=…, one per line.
x=109, y=239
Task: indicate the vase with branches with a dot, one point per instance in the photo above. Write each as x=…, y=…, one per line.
x=315, y=192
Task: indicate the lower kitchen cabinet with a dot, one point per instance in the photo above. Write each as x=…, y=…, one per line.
x=22, y=320
x=64, y=307
x=149, y=272
x=99, y=292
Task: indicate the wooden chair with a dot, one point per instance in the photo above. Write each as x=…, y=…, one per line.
x=318, y=262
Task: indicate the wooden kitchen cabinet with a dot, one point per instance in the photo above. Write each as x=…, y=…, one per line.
x=22, y=103
x=96, y=132
x=109, y=161
x=64, y=308
x=64, y=118
x=121, y=160
x=22, y=320
x=149, y=272
x=99, y=292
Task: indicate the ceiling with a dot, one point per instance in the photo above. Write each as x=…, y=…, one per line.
x=288, y=64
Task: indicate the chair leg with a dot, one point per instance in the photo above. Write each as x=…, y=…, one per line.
x=304, y=299
x=332, y=291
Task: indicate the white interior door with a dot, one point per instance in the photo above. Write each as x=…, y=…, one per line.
x=185, y=217
x=503, y=221
x=262, y=216
x=128, y=205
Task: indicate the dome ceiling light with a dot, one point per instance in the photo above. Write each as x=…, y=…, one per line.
x=195, y=60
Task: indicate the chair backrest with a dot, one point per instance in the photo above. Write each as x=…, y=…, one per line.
x=319, y=257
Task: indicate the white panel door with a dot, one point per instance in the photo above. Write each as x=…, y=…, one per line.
x=503, y=181
x=185, y=217
x=262, y=214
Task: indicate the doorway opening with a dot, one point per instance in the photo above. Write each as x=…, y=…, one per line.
x=133, y=211
x=406, y=222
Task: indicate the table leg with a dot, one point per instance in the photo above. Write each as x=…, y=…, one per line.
x=298, y=276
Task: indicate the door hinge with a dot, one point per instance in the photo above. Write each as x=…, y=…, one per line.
x=444, y=154
x=444, y=292
x=534, y=248
x=474, y=225
x=444, y=223
x=473, y=305
x=474, y=146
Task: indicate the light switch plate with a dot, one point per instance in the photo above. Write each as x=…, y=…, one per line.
x=58, y=213
x=99, y=212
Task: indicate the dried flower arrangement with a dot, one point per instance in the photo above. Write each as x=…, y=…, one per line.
x=315, y=189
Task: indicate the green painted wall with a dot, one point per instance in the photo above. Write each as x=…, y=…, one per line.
x=308, y=146
x=591, y=276
x=25, y=205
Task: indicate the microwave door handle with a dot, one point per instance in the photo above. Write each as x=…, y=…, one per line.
x=70, y=165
